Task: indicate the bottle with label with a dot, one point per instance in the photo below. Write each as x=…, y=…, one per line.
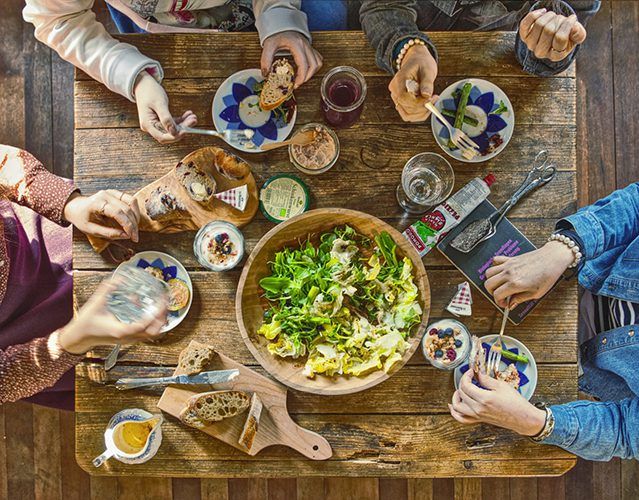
x=433, y=226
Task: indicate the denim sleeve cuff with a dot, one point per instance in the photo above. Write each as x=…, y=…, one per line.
x=589, y=230
x=566, y=426
x=398, y=41
x=541, y=67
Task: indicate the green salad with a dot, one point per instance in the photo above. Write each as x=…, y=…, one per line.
x=347, y=303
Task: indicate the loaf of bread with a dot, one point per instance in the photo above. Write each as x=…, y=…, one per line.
x=278, y=86
x=193, y=360
x=199, y=184
x=162, y=204
x=217, y=405
x=230, y=166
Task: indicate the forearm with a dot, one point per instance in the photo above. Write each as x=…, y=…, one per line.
x=597, y=431
x=70, y=28
x=388, y=23
x=609, y=223
x=27, y=369
x=277, y=16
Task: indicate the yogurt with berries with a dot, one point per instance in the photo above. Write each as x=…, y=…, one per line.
x=219, y=246
x=446, y=344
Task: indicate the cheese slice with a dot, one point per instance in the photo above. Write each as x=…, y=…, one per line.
x=237, y=197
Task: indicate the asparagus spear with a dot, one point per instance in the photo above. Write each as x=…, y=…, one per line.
x=461, y=109
x=467, y=119
x=515, y=357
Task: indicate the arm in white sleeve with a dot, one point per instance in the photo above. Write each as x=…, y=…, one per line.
x=276, y=16
x=70, y=28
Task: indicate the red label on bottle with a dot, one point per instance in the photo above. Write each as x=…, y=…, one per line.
x=435, y=220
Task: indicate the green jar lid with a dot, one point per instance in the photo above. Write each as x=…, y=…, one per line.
x=284, y=196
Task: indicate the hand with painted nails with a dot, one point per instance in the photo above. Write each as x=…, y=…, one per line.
x=496, y=403
x=527, y=276
x=419, y=69
x=306, y=58
x=153, y=111
x=95, y=325
x=551, y=36
x=109, y=214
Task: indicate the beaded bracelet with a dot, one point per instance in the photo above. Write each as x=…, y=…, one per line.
x=409, y=43
x=570, y=244
x=549, y=426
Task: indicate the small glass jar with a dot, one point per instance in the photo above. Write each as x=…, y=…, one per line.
x=320, y=170
x=213, y=240
x=343, y=93
x=430, y=341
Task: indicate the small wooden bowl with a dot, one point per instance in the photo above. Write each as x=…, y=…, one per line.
x=249, y=305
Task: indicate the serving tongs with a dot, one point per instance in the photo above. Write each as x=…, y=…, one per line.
x=484, y=229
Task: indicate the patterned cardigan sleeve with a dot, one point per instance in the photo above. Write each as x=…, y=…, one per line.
x=27, y=369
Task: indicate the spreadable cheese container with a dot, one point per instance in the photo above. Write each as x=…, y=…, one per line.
x=282, y=197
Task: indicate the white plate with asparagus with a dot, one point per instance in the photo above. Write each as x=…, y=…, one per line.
x=482, y=111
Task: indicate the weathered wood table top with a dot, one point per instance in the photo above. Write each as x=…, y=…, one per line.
x=401, y=427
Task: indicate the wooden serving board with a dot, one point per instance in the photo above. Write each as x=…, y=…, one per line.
x=276, y=425
x=197, y=214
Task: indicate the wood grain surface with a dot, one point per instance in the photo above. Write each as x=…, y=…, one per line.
x=401, y=427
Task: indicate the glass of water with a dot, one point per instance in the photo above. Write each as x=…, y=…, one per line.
x=427, y=180
x=137, y=296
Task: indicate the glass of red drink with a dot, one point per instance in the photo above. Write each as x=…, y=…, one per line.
x=343, y=94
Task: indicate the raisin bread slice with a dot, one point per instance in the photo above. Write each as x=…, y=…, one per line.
x=278, y=86
x=162, y=204
x=199, y=185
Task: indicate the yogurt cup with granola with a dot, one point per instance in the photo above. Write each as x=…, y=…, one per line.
x=446, y=344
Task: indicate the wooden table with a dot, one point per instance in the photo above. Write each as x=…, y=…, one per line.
x=402, y=427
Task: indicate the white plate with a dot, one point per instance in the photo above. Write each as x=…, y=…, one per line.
x=235, y=106
x=171, y=267
x=483, y=96
x=528, y=369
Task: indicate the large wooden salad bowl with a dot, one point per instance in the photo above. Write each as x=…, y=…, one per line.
x=250, y=304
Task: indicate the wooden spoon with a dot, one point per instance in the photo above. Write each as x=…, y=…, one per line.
x=299, y=139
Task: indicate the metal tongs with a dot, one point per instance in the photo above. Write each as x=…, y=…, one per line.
x=484, y=229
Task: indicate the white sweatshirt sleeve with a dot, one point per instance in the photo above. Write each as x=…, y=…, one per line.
x=70, y=28
x=276, y=16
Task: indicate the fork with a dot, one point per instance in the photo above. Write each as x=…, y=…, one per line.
x=112, y=358
x=239, y=137
x=494, y=357
x=466, y=145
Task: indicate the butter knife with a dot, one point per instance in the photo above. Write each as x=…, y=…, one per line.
x=206, y=378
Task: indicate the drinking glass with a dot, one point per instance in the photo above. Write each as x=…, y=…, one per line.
x=343, y=93
x=427, y=180
x=137, y=294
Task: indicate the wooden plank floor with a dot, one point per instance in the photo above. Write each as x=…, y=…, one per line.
x=36, y=452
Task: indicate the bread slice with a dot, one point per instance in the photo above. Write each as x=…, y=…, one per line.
x=217, y=405
x=193, y=360
x=278, y=86
x=477, y=359
x=199, y=185
x=188, y=417
x=252, y=423
x=230, y=166
x=162, y=204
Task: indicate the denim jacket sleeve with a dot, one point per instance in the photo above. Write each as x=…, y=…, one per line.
x=584, y=9
x=386, y=24
x=597, y=431
x=609, y=223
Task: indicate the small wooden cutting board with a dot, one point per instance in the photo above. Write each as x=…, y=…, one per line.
x=276, y=425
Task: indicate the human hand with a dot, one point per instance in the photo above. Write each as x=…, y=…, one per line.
x=549, y=35
x=497, y=404
x=306, y=58
x=95, y=325
x=153, y=111
x=419, y=66
x=107, y=214
x=529, y=275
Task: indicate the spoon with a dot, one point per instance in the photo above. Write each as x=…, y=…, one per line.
x=299, y=139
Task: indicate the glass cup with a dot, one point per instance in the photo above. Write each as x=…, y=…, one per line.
x=427, y=180
x=137, y=294
x=343, y=93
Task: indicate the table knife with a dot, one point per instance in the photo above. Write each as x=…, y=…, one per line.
x=212, y=377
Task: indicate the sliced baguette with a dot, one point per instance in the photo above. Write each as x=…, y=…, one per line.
x=252, y=423
x=217, y=405
x=195, y=360
x=188, y=417
x=278, y=86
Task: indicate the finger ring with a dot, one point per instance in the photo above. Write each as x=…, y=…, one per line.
x=101, y=211
x=558, y=51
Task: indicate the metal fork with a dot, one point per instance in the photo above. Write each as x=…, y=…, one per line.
x=232, y=137
x=494, y=357
x=468, y=147
x=112, y=358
